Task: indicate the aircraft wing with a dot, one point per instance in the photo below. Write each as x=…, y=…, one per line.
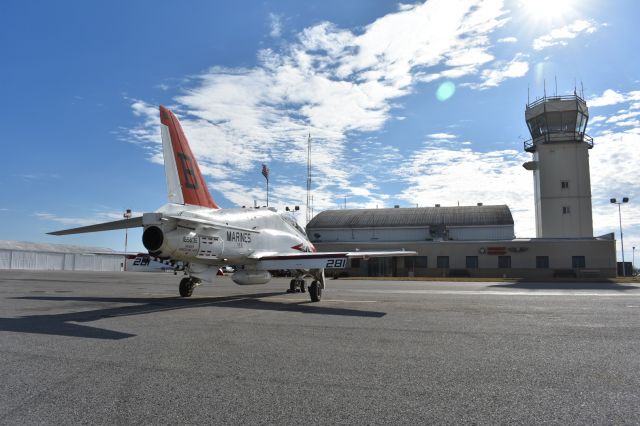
x=271, y=261
x=134, y=222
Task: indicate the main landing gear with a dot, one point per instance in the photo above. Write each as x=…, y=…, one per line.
x=296, y=285
x=315, y=291
x=187, y=284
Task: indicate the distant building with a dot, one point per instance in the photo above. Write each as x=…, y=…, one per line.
x=473, y=241
x=479, y=241
x=58, y=257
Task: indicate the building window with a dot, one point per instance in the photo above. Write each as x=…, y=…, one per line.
x=443, y=262
x=415, y=262
x=472, y=262
x=566, y=209
x=564, y=184
x=578, y=262
x=355, y=263
x=504, y=262
x=542, y=262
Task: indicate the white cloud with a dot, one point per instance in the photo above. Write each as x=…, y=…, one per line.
x=559, y=36
x=614, y=167
x=331, y=82
x=611, y=97
x=275, y=25
x=493, y=77
x=447, y=176
x=507, y=40
x=442, y=136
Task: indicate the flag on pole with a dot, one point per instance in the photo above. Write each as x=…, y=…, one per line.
x=265, y=171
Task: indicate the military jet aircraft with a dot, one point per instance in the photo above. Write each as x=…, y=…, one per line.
x=193, y=230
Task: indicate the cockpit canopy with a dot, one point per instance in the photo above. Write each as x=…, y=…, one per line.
x=292, y=221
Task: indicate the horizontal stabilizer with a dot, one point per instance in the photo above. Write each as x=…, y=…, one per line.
x=134, y=222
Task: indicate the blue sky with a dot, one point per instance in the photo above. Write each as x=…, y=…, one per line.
x=81, y=82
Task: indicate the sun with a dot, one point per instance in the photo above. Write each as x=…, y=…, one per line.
x=548, y=10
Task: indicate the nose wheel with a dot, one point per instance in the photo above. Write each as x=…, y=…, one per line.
x=187, y=285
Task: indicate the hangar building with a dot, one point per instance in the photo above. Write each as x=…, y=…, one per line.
x=475, y=241
x=479, y=240
x=58, y=257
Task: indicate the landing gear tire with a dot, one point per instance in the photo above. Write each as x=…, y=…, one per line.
x=315, y=292
x=186, y=287
x=292, y=286
x=302, y=286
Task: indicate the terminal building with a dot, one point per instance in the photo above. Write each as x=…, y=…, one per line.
x=479, y=241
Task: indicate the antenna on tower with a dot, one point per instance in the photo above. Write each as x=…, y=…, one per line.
x=544, y=87
x=581, y=90
x=555, y=77
x=528, y=94
x=309, y=196
x=575, y=87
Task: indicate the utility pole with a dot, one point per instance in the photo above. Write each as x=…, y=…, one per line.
x=309, y=197
x=126, y=215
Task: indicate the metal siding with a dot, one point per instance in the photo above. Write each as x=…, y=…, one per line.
x=69, y=263
x=49, y=261
x=23, y=260
x=5, y=259
x=111, y=263
x=85, y=262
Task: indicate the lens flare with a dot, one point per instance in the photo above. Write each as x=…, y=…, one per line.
x=445, y=91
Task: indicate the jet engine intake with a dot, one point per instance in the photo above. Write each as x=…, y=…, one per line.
x=243, y=277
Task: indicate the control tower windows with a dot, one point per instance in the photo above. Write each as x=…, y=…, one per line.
x=581, y=123
x=554, y=121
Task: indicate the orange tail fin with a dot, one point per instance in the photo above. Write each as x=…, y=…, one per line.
x=185, y=183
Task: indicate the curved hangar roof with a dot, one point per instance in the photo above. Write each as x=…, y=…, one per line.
x=413, y=217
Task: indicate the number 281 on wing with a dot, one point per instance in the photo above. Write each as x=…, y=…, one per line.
x=336, y=263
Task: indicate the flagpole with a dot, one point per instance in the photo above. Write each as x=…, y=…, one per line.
x=265, y=173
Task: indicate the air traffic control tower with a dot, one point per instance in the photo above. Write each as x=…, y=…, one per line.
x=562, y=187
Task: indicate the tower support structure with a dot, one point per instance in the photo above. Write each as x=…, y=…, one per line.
x=560, y=166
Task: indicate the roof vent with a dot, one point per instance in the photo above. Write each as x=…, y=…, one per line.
x=479, y=204
x=437, y=205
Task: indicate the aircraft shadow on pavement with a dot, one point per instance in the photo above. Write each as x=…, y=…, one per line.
x=65, y=324
x=567, y=285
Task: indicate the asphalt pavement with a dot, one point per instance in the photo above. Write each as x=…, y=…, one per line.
x=122, y=348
